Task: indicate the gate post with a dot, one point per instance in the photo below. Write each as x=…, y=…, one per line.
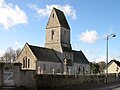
x=1, y=74
x=17, y=67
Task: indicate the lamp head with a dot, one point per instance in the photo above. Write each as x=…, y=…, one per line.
x=114, y=35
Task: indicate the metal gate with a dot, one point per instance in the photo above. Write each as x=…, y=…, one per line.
x=8, y=75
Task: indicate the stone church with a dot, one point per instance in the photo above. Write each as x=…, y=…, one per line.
x=57, y=57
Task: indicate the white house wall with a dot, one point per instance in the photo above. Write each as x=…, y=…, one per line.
x=113, y=68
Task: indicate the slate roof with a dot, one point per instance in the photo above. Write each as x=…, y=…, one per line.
x=61, y=18
x=117, y=62
x=79, y=57
x=44, y=54
x=67, y=49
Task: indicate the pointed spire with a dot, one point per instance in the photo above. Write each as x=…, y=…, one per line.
x=60, y=18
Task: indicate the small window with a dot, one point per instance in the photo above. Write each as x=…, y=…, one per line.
x=44, y=67
x=53, y=15
x=83, y=70
x=28, y=63
x=25, y=62
x=52, y=34
x=79, y=69
x=65, y=33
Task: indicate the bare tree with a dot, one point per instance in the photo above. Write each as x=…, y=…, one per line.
x=2, y=59
x=102, y=65
x=10, y=55
x=17, y=52
x=6, y=57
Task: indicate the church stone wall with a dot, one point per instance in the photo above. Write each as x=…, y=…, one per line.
x=45, y=67
x=53, y=35
x=27, y=52
x=79, y=68
x=65, y=35
x=53, y=20
x=53, y=41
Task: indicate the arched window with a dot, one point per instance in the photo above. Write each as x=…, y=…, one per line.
x=52, y=34
x=53, y=15
x=23, y=63
x=26, y=62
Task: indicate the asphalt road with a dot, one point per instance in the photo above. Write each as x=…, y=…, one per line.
x=111, y=86
x=116, y=88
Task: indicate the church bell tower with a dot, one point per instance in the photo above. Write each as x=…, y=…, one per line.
x=58, y=38
x=57, y=32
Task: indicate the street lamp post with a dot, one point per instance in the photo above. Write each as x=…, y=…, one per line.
x=111, y=35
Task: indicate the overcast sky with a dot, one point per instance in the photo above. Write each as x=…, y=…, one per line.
x=90, y=21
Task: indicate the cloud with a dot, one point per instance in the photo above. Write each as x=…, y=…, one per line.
x=97, y=56
x=11, y=15
x=75, y=46
x=67, y=9
x=103, y=58
x=17, y=45
x=89, y=36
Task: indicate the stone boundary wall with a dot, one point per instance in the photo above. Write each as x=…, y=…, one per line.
x=56, y=81
x=30, y=79
x=27, y=78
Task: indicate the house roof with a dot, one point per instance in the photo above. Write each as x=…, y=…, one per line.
x=79, y=57
x=61, y=18
x=117, y=62
x=44, y=54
